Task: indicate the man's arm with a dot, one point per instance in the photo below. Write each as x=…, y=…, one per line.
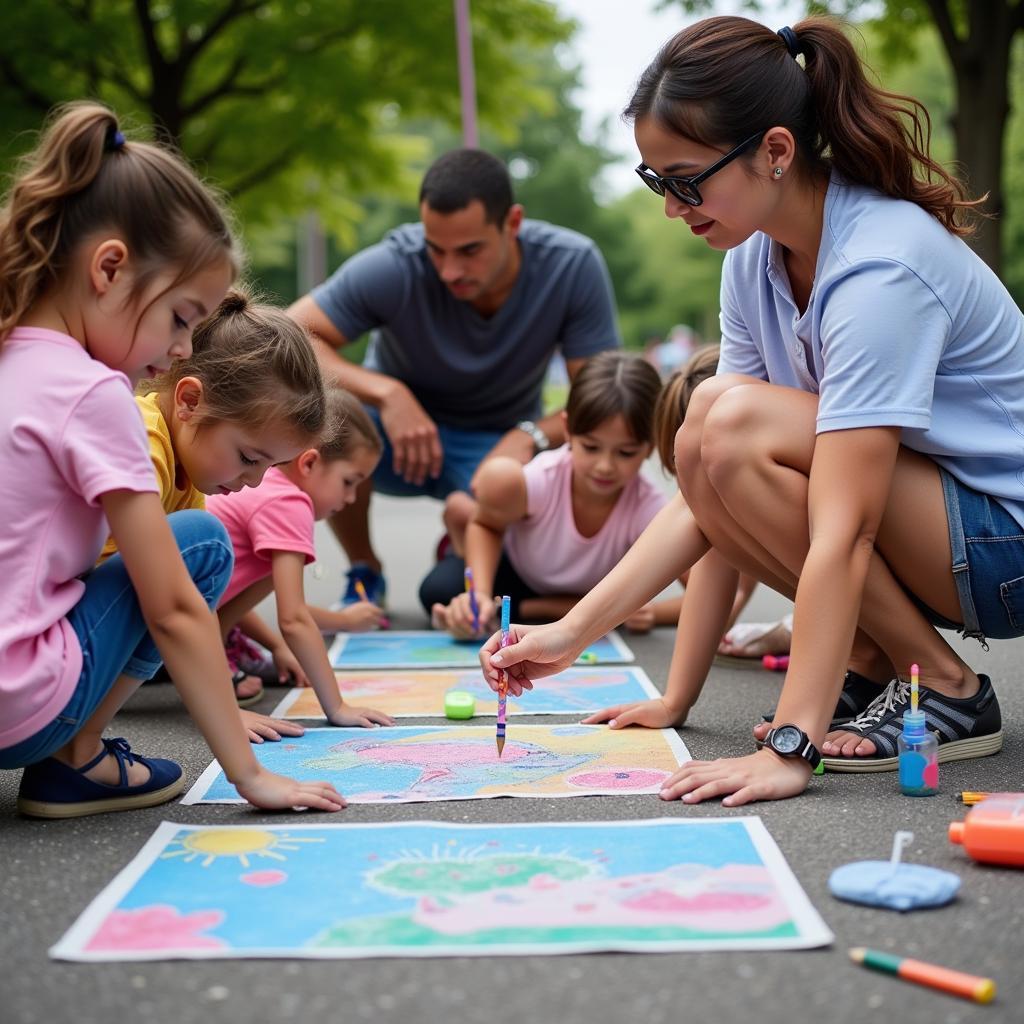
x=412, y=433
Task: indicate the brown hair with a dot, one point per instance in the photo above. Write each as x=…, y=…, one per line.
x=725, y=78
x=611, y=384
x=348, y=427
x=670, y=411
x=83, y=177
x=256, y=365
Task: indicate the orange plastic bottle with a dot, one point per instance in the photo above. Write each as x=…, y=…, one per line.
x=993, y=831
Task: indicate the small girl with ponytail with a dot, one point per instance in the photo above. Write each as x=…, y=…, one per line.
x=859, y=447
x=247, y=397
x=110, y=253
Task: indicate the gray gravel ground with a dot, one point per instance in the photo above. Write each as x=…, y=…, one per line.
x=51, y=870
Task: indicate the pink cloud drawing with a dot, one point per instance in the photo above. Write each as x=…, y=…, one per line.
x=157, y=927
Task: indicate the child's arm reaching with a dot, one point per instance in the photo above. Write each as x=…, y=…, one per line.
x=186, y=633
x=500, y=501
x=284, y=661
x=356, y=618
x=303, y=637
x=704, y=610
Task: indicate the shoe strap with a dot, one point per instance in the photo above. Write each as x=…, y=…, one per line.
x=122, y=753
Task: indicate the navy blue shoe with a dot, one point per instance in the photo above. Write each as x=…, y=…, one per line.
x=374, y=585
x=52, y=789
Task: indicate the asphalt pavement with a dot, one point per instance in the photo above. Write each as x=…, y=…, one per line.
x=51, y=870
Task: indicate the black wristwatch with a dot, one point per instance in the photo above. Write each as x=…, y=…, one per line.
x=541, y=441
x=791, y=741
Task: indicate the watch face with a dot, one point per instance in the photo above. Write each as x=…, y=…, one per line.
x=787, y=739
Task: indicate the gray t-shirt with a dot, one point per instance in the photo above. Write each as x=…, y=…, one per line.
x=467, y=370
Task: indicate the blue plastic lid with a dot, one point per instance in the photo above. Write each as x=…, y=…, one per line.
x=914, y=723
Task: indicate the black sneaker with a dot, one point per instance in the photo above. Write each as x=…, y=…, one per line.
x=966, y=728
x=856, y=697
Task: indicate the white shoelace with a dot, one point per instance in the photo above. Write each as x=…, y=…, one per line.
x=892, y=697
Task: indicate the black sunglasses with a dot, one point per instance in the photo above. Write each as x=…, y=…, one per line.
x=685, y=189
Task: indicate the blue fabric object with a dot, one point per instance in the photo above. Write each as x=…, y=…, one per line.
x=373, y=582
x=878, y=883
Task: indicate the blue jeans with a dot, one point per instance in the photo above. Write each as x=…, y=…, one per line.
x=987, y=545
x=113, y=634
x=464, y=450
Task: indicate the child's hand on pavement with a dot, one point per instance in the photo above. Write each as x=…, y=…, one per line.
x=288, y=668
x=279, y=793
x=365, y=717
x=652, y=714
x=460, y=617
x=361, y=617
x=263, y=727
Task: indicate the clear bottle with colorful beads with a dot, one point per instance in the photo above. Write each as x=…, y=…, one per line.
x=918, y=749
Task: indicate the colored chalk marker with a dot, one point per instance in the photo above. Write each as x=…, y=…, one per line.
x=918, y=749
x=971, y=797
x=361, y=591
x=588, y=658
x=956, y=983
x=775, y=662
x=506, y=615
x=473, y=606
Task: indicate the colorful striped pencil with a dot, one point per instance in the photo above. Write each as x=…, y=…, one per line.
x=471, y=590
x=956, y=983
x=971, y=797
x=506, y=614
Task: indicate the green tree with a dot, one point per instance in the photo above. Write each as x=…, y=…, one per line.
x=286, y=104
x=977, y=38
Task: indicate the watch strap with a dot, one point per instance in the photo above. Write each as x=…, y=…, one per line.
x=541, y=441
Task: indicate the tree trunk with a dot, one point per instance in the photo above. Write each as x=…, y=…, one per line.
x=983, y=106
x=981, y=63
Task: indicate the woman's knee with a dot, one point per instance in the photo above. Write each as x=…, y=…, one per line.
x=691, y=449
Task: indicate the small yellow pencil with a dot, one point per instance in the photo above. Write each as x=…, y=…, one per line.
x=361, y=591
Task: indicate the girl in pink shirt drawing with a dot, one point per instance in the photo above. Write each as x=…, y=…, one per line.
x=110, y=253
x=271, y=531
x=546, y=532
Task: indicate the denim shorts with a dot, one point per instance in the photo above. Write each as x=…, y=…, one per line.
x=987, y=545
x=464, y=450
x=112, y=632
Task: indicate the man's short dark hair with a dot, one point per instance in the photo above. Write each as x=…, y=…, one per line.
x=455, y=179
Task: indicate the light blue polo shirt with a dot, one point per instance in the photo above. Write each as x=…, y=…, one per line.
x=905, y=327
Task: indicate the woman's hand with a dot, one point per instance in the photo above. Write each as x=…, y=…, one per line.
x=759, y=776
x=279, y=793
x=653, y=714
x=263, y=727
x=365, y=717
x=534, y=652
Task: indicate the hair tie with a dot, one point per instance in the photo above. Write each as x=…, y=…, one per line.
x=115, y=140
x=788, y=36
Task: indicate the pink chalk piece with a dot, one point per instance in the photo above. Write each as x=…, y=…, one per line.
x=157, y=927
x=618, y=778
x=264, y=879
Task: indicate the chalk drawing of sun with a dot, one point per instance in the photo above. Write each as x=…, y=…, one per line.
x=243, y=843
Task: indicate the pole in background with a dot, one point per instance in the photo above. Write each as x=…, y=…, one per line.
x=467, y=80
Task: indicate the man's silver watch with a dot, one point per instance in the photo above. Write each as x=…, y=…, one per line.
x=541, y=441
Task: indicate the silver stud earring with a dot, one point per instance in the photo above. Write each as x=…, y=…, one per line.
x=778, y=172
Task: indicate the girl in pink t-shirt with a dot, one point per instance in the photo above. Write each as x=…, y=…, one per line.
x=110, y=253
x=546, y=532
x=271, y=531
